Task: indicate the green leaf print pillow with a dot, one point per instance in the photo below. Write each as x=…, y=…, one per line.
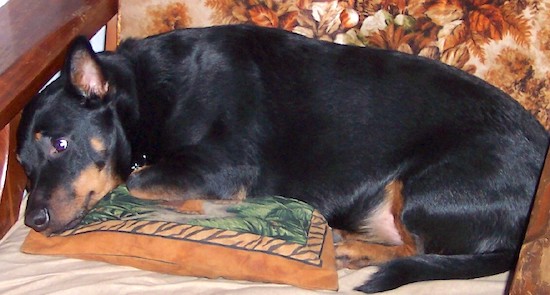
x=270, y=239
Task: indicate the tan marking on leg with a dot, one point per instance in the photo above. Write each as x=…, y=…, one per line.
x=398, y=202
x=379, y=227
x=357, y=250
x=164, y=194
x=169, y=194
x=240, y=195
x=149, y=194
x=155, y=193
x=186, y=206
x=97, y=144
x=236, y=198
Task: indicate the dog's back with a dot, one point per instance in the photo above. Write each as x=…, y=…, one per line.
x=356, y=132
x=369, y=114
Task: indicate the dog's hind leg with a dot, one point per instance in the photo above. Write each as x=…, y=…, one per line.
x=355, y=253
x=385, y=237
x=468, y=210
x=463, y=242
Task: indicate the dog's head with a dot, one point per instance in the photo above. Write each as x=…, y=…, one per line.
x=71, y=143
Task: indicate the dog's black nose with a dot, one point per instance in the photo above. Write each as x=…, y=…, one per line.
x=38, y=219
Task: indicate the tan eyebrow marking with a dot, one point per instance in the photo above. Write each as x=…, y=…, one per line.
x=97, y=144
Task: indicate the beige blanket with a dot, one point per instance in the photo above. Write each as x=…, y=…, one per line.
x=34, y=274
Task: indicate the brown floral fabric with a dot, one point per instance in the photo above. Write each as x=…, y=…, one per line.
x=506, y=43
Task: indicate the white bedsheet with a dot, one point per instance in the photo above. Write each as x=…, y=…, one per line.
x=34, y=274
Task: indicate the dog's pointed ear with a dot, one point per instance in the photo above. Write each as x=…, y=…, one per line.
x=84, y=72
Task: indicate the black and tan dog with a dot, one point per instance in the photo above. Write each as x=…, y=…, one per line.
x=427, y=171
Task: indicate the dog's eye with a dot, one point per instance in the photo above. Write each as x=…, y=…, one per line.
x=60, y=144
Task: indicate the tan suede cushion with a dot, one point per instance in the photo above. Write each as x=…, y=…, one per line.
x=270, y=239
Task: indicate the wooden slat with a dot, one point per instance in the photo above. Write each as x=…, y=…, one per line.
x=14, y=184
x=111, y=35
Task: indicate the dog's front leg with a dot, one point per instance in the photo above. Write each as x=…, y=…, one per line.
x=192, y=176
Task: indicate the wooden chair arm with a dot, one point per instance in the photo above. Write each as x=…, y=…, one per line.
x=532, y=274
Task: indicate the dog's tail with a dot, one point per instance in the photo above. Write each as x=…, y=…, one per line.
x=411, y=269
